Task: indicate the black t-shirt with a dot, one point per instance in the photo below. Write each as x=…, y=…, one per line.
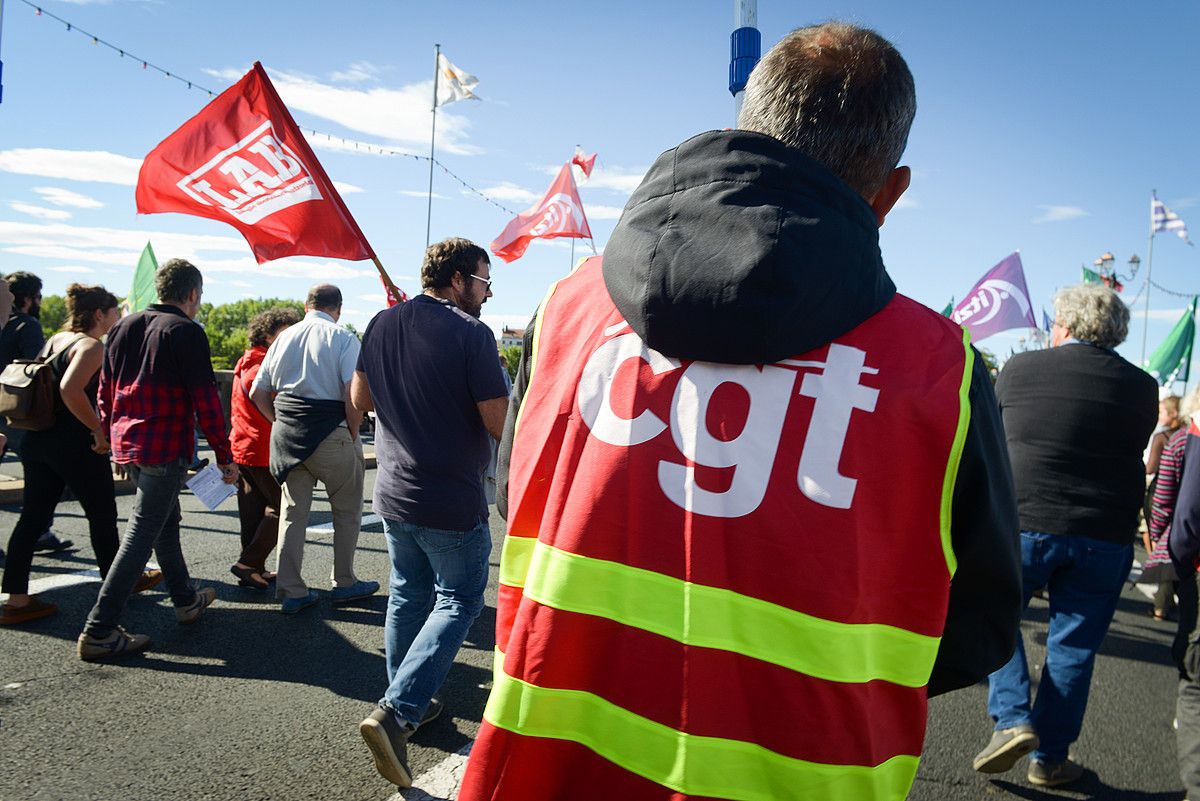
x=1077, y=419
x=428, y=364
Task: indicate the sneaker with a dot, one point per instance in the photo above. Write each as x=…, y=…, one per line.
x=291, y=606
x=355, y=592
x=1053, y=774
x=149, y=580
x=1005, y=748
x=117, y=645
x=192, y=612
x=36, y=608
x=198, y=465
x=431, y=712
x=50, y=543
x=388, y=741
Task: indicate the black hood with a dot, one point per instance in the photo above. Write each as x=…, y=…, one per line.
x=737, y=248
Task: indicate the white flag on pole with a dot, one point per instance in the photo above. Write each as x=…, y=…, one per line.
x=453, y=83
x=1163, y=219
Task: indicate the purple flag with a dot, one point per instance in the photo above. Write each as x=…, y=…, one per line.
x=999, y=301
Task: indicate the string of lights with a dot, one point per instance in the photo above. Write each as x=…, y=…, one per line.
x=1171, y=292
x=190, y=84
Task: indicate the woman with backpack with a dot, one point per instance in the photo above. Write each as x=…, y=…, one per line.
x=73, y=453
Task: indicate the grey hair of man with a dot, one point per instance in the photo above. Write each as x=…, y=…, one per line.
x=1092, y=313
x=840, y=94
x=324, y=297
x=176, y=279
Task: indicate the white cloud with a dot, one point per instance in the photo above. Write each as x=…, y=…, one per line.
x=345, y=188
x=617, y=179
x=357, y=72
x=241, y=284
x=123, y=247
x=396, y=116
x=509, y=191
x=1184, y=203
x=76, y=165
x=906, y=201
x=65, y=197
x=73, y=269
x=1059, y=214
x=420, y=194
x=499, y=321
x=40, y=211
x=597, y=212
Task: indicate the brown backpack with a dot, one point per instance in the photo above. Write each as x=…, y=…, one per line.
x=29, y=390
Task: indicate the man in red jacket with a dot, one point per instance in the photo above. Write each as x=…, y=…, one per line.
x=741, y=471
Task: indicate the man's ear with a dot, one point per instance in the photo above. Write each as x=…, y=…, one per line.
x=893, y=187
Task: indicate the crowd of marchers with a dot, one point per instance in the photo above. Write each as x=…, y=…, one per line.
x=760, y=506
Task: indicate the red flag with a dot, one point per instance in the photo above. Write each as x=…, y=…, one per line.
x=559, y=213
x=585, y=162
x=393, y=298
x=243, y=161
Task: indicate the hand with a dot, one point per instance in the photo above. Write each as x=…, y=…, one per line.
x=100, y=442
x=229, y=473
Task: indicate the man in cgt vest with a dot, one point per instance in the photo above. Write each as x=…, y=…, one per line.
x=759, y=505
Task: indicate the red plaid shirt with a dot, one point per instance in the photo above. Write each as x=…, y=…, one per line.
x=156, y=384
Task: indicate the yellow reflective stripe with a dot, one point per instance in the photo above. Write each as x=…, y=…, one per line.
x=960, y=437
x=711, y=617
x=515, y=557
x=537, y=338
x=687, y=763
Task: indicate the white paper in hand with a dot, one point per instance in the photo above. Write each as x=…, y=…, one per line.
x=208, y=486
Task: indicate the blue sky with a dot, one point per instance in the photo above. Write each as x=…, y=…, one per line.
x=1041, y=127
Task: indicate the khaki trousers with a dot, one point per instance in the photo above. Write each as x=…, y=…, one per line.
x=338, y=464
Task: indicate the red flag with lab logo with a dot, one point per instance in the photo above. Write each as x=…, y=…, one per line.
x=243, y=161
x=558, y=214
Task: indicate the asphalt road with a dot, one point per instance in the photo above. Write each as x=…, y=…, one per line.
x=251, y=704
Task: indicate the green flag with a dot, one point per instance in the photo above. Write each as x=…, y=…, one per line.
x=142, y=293
x=946, y=312
x=1171, y=360
x=1091, y=276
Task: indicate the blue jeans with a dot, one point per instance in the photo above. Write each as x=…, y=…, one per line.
x=153, y=526
x=1083, y=577
x=436, y=592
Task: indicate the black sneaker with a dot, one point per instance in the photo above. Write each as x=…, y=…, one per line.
x=49, y=542
x=431, y=712
x=388, y=741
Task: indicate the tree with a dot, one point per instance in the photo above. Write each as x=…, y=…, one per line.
x=512, y=353
x=53, y=314
x=226, y=326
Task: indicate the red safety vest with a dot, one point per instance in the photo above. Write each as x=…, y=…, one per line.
x=722, y=581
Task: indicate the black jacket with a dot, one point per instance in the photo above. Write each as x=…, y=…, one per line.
x=739, y=249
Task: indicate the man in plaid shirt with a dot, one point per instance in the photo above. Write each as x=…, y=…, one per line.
x=156, y=383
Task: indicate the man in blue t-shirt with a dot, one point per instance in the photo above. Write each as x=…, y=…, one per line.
x=428, y=369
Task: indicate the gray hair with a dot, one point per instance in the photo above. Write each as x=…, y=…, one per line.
x=1092, y=313
x=840, y=94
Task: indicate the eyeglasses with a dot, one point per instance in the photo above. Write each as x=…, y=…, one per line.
x=486, y=281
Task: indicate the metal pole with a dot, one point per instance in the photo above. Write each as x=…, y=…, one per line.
x=1, y=40
x=1149, y=286
x=437, y=52
x=572, y=253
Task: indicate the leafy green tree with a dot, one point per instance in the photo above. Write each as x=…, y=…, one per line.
x=226, y=326
x=989, y=359
x=512, y=354
x=53, y=314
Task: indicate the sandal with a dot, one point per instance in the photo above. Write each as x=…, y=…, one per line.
x=249, y=577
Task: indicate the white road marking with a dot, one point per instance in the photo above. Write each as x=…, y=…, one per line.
x=41, y=585
x=439, y=783
x=326, y=528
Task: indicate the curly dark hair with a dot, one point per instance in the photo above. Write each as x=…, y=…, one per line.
x=268, y=322
x=83, y=302
x=450, y=256
x=24, y=286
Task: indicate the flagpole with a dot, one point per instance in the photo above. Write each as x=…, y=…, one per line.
x=437, y=51
x=387, y=279
x=1149, y=286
